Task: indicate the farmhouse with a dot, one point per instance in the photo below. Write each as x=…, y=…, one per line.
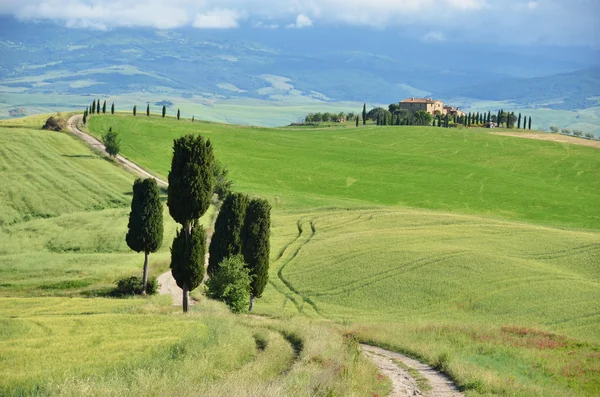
x=431, y=106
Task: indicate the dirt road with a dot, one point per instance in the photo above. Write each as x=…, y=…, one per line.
x=73, y=126
x=402, y=382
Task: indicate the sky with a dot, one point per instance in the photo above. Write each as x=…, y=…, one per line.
x=528, y=22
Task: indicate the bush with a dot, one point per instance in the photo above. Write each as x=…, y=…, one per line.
x=231, y=284
x=577, y=132
x=55, y=123
x=589, y=135
x=134, y=285
x=554, y=129
x=566, y=131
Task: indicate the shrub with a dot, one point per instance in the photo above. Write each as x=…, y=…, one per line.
x=554, y=129
x=577, y=132
x=589, y=135
x=231, y=284
x=55, y=124
x=134, y=286
x=566, y=131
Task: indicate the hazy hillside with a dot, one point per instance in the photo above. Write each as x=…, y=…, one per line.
x=567, y=91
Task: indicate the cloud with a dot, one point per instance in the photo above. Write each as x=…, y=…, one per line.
x=263, y=25
x=434, y=36
x=217, y=19
x=302, y=21
x=490, y=21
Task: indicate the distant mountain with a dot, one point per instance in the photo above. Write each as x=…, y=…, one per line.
x=324, y=64
x=566, y=91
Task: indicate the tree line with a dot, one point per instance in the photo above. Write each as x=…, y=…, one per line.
x=394, y=115
x=94, y=108
x=327, y=116
x=239, y=249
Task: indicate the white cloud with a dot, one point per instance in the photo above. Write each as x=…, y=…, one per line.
x=556, y=21
x=262, y=25
x=302, y=21
x=217, y=19
x=434, y=36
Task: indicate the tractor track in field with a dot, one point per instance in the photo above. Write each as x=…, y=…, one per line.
x=402, y=382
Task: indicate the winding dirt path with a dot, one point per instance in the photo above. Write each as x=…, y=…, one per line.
x=403, y=384
x=73, y=126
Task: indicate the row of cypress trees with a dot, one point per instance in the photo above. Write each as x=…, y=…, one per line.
x=242, y=227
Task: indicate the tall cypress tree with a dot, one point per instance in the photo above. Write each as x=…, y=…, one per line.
x=104, y=107
x=164, y=111
x=227, y=239
x=178, y=114
x=447, y=121
x=519, y=122
x=255, y=247
x=364, y=114
x=98, y=106
x=85, y=117
x=148, y=110
x=134, y=109
x=191, y=185
x=145, y=221
x=357, y=117
x=112, y=108
x=530, y=123
x=94, y=107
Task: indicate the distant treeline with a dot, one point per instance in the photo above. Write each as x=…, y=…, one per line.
x=394, y=115
x=327, y=116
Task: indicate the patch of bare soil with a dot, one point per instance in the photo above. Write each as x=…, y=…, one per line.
x=551, y=137
x=402, y=383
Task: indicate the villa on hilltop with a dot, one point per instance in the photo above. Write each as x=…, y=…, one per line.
x=431, y=106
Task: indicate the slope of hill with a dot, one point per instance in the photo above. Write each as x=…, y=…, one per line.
x=445, y=169
x=62, y=238
x=504, y=305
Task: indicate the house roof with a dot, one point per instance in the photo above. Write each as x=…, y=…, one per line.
x=419, y=100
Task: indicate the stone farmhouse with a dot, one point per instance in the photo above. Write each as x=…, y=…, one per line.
x=431, y=106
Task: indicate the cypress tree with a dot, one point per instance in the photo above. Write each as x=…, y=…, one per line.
x=227, y=239
x=364, y=114
x=192, y=119
x=378, y=118
x=134, y=109
x=94, y=107
x=191, y=185
x=85, y=117
x=498, y=118
x=447, y=121
x=164, y=111
x=104, y=107
x=148, y=110
x=469, y=120
x=530, y=123
x=357, y=117
x=178, y=114
x=145, y=227
x=98, y=106
x=255, y=247
x=519, y=121
x=112, y=108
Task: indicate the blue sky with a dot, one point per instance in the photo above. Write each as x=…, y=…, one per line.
x=554, y=22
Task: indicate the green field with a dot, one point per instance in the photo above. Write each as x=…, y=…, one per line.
x=494, y=279
x=63, y=218
x=435, y=168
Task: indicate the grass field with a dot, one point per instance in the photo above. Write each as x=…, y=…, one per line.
x=494, y=280
x=64, y=213
x=435, y=168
